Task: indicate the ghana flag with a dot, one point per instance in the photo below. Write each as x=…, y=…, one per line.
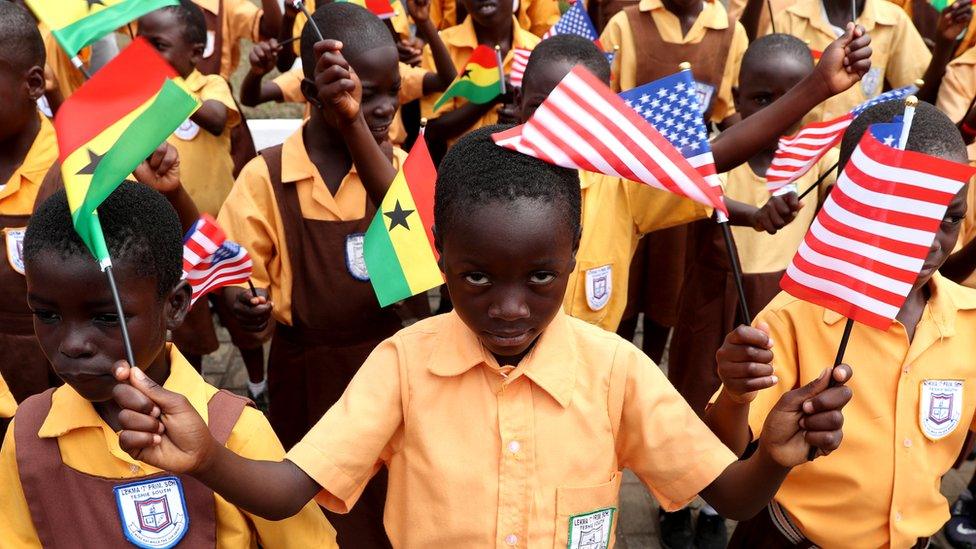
x=110, y=125
x=77, y=23
x=398, y=247
x=480, y=81
x=380, y=8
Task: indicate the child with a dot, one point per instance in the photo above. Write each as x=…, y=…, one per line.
x=956, y=97
x=63, y=480
x=230, y=21
x=28, y=149
x=506, y=422
x=535, y=16
x=881, y=488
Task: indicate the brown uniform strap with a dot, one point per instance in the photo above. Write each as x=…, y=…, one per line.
x=286, y=197
x=36, y=457
x=224, y=409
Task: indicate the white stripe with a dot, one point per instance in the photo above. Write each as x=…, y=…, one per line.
x=854, y=270
x=544, y=116
x=808, y=141
x=843, y=292
x=540, y=141
x=204, y=271
x=241, y=272
x=880, y=228
x=792, y=162
x=904, y=175
x=896, y=260
x=889, y=201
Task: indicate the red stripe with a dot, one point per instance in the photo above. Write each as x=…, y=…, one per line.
x=898, y=188
x=916, y=161
x=126, y=83
x=561, y=145
x=421, y=176
x=878, y=267
x=850, y=282
x=895, y=246
x=833, y=303
x=884, y=215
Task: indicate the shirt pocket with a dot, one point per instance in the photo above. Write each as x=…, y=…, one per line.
x=587, y=515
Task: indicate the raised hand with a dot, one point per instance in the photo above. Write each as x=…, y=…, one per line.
x=953, y=20
x=264, y=56
x=845, y=60
x=161, y=170
x=337, y=86
x=778, y=212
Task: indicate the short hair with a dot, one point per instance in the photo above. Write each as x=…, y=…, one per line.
x=931, y=133
x=20, y=41
x=191, y=17
x=476, y=171
x=772, y=46
x=569, y=48
x=141, y=229
x=357, y=28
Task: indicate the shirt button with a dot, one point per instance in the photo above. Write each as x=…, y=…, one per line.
x=514, y=446
x=511, y=539
x=908, y=443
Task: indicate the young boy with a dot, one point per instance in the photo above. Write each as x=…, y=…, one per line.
x=506, y=422
x=535, y=16
x=63, y=479
x=881, y=488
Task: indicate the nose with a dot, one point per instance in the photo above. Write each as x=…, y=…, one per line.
x=76, y=344
x=385, y=109
x=509, y=307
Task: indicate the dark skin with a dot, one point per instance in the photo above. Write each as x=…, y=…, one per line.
x=507, y=294
x=163, y=30
x=78, y=328
x=20, y=88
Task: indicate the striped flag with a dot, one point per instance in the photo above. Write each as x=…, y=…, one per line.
x=866, y=247
x=584, y=125
x=520, y=59
x=210, y=261
x=796, y=154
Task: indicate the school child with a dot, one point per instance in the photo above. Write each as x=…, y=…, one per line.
x=505, y=422
x=956, y=97
x=230, y=21
x=63, y=479
x=535, y=16
x=881, y=487
x=28, y=149
x=489, y=22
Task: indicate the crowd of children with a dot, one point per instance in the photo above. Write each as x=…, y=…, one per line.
x=508, y=418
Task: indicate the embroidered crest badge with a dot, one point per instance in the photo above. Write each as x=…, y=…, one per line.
x=705, y=93
x=355, y=260
x=153, y=512
x=591, y=530
x=187, y=130
x=940, y=407
x=599, y=285
x=14, y=237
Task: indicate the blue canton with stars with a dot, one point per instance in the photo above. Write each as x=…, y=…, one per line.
x=577, y=21
x=673, y=107
x=889, y=95
x=888, y=133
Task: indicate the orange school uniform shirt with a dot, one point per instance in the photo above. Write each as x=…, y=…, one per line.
x=89, y=445
x=957, y=91
x=7, y=403
x=487, y=456
x=881, y=487
x=616, y=213
x=242, y=21
x=206, y=166
x=18, y=194
x=535, y=16
x=713, y=16
x=251, y=217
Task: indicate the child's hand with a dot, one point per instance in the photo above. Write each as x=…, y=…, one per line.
x=953, y=20
x=419, y=10
x=252, y=312
x=778, y=212
x=845, y=60
x=161, y=170
x=339, y=89
x=745, y=362
x=263, y=57
x=410, y=51
x=808, y=416
x=160, y=427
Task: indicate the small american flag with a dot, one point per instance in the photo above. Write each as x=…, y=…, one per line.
x=210, y=261
x=796, y=154
x=520, y=58
x=584, y=125
x=866, y=247
x=577, y=21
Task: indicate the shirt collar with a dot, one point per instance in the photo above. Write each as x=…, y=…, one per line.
x=42, y=154
x=297, y=166
x=195, y=81
x=464, y=36
x=873, y=13
x=711, y=17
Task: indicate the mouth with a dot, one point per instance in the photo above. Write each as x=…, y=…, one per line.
x=508, y=339
x=486, y=7
x=381, y=130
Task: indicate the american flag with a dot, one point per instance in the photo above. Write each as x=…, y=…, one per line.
x=210, y=261
x=520, y=59
x=866, y=247
x=584, y=125
x=574, y=21
x=796, y=154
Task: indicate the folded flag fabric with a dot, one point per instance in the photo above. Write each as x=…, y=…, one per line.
x=110, y=125
x=796, y=154
x=398, y=246
x=77, y=23
x=480, y=81
x=584, y=125
x=380, y=8
x=210, y=261
x=866, y=247
x=520, y=60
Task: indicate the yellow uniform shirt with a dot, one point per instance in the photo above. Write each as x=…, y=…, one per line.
x=17, y=196
x=713, y=16
x=242, y=21
x=7, y=403
x=206, y=166
x=482, y=456
x=251, y=217
x=957, y=91
x=899, y=56
x=616, y=213
x=535, y=16
x=69, y=77
x=89, y=445
x=461, y=41
x=881, y=487
x=737, y=7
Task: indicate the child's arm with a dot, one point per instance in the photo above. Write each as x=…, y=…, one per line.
x=270, y=24
x=446, y=71
x=211, y=116
x=840, y=67
x=161, y=171
x=778, y=212
x=254, y=90
x=952, y=21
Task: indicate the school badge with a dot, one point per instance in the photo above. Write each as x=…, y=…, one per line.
x=940, y=407
x=870, y=81
x=355, y=260
x=187, y=130
x=153, y=512
x=705, y=93
x=14, y=237
x=599, y=284
x=591, y=530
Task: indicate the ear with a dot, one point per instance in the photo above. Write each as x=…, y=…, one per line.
x=197, y=54
x=177, y=305
x=311, y=93
x=439, y=246
x=34, y=80
x=735, y=97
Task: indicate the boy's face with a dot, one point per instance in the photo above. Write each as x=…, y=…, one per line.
x=543, y=81
x=507, y=264
x=762, y=83
x=945, y=238
x=486, y=13
x=77, y=326
x=379, y=72
x=165, y=32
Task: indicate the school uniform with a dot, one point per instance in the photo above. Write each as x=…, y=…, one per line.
x=535, y=16
x=737, y=7
x=899, y=56
x=486, y=456
x=912, y=408
x=615, y=215
x=23, y=366
x=461, y=41
x=228, y=22
x=709, y=306
x=65, y=482
x=67, y=74
x=926, y=19
x=957, y=91
x=7, y=403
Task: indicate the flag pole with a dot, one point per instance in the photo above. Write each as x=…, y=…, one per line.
x=423, y=125
x=819, y=180
x=772, y=16
x=126, y=342
x=80, y=65
x=308, y=16
x=501, y=68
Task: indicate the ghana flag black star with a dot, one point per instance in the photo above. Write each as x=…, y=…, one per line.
x=91, y=3
x=398, y=216
x=466, y=73
x=93, y=161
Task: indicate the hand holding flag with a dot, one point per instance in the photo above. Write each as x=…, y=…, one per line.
x=338, y=87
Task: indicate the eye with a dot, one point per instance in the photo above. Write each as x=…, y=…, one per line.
x=46, y=317
x=477, y=279
x=763, y=100
x=107, y=319
x=953, y=219
x=542, y=278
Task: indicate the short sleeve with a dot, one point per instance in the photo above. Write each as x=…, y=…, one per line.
x=537, y=16
x=785, y=366
x=248, y=218
x=217, y=89
x=243, y=20
x=411, y=82
x=290, y=84
x=351, y=441
x=7, y=403
x=957, y=89
x=655, y=209
x=909, y=56
x=724, y=107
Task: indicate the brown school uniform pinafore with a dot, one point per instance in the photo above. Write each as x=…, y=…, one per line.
x=74, y=509
x=336, y=324
x=655, y=283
